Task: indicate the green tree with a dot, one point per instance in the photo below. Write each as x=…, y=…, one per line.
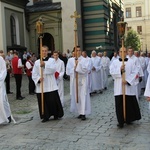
x=133, y=40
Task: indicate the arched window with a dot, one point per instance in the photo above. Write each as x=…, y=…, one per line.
x=13, y=31
x=14, y=26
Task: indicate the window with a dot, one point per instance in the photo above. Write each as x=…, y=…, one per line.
x=138, y=11
x=13, y=30
x=128, y=12
x=139, y=29
x=129, y=28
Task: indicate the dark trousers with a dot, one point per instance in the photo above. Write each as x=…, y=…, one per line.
x=31, y=85
x=7, y=80
x=18, y=79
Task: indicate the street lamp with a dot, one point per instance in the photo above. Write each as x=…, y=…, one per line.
x=121, y=29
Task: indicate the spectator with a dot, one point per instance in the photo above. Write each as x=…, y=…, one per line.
x=29, y=65
x=17, y=70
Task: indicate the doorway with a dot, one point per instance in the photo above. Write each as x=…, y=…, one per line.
x=47, y=40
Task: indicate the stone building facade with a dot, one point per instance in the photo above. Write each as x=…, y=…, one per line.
x=137, y=15
x=12, y=25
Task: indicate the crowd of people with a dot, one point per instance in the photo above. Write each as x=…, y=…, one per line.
x=87, y=75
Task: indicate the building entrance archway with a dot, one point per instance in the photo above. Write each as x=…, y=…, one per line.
x=47, y=40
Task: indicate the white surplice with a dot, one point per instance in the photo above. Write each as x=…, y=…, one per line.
x=114, y=58
x=49, y=82
x=143, y=65
x=4, y=104
x=89, y=73
x=139, y=73
x=147, y=89
x=96, y=74
x=148, y=68
x=146, y=72
x=130, y=76
x=83, y=107
x=60, y=68
x=105, y=61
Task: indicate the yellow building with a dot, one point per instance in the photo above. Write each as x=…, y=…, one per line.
x=137, y=15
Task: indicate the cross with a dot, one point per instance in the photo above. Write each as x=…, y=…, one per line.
x=76, y=15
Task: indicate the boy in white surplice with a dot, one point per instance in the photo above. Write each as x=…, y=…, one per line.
x=132, y=107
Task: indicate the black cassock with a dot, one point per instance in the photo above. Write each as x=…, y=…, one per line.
x=132, y=109
x=52, y=105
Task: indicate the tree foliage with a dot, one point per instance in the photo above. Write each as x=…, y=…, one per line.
x=133, y=40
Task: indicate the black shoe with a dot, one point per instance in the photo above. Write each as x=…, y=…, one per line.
x=120, y=125
x=79, y=117
x=20, y=98
x=129, y=123
x=9, y=92
x=55, y=118
x=93, y=92
x=100, y=92
x=83, y=117
x=105, y=88
x=31, y=93
x=9, y=118
x=44, y=120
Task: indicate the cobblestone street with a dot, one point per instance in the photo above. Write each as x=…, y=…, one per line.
x=98, y=132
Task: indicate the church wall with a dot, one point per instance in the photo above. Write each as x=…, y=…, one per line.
x=5, y=35
x=68, y=8
x=19, y=15
x=52, y=25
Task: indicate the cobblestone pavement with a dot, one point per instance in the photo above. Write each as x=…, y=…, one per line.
x=98, y=132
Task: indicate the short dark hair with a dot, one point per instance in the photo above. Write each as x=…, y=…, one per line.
x=130, y=47
x=28, y=57
x=45, y=46
x=1, y=51
x=84, y=52
x=16, y=53
x=56, y=52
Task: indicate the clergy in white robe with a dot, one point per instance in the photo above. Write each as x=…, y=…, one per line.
x=143, y=65
x=60, y=70
x=84, y=54
x=5, y=113
x=97, y=80
x=145, y=72
x=147, y=89
x=132, y=107
x=139, y=71
x=105, y=61
x=52, y=103
x=83, y=107
x=114, y=57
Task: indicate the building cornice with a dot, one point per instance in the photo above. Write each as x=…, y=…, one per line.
x=19, y=3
